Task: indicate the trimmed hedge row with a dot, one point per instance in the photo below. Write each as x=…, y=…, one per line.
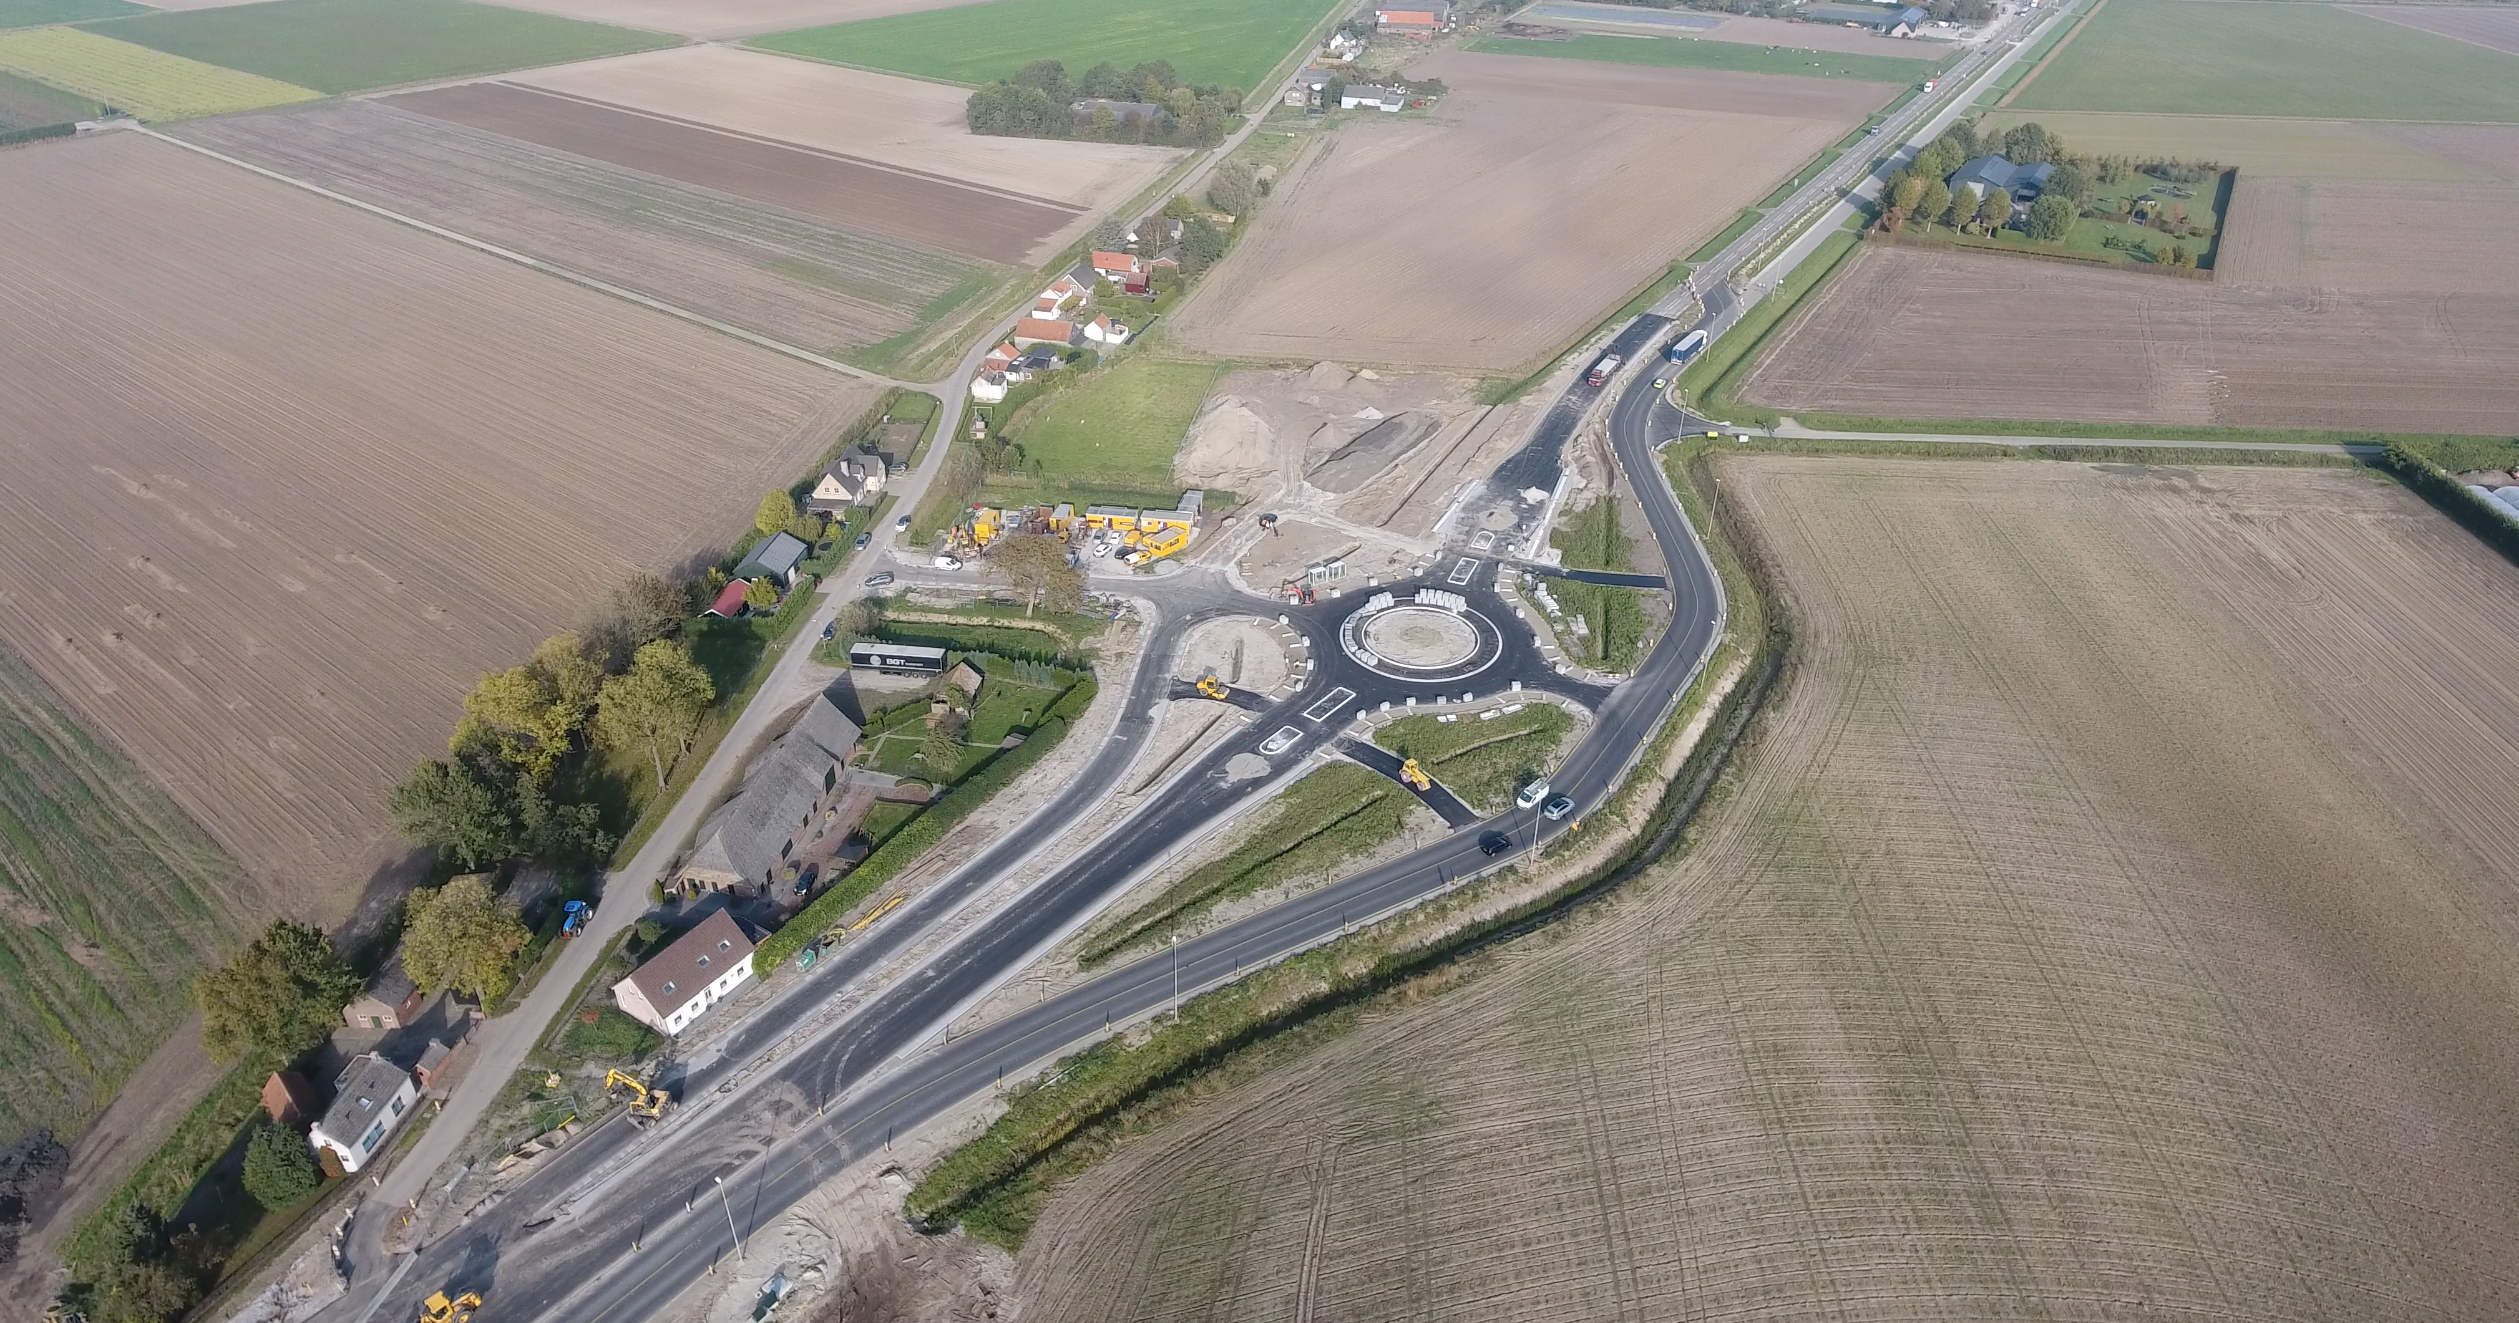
x=920, y=834
x=2484, y=518
x=13, y=137
x=1013, y=642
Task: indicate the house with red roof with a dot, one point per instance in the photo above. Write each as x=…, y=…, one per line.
x=729, y=603
x=1001, y=358
x=1126, y=268
x=1104, y=331
x=1044, y=331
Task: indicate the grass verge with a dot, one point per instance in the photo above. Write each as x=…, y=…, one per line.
x=1483, y=762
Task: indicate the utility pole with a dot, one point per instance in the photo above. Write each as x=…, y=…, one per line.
x=1176, y=976
x=730, y=1218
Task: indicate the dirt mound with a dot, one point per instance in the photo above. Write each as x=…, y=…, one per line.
x=1357, y=462
x=1266, y=430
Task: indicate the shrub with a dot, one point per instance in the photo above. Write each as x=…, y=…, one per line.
x=280, y=1168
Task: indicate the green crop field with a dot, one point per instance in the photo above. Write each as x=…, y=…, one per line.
x=1698, y=53
x=2251, y=57
x=354, y=45
x=26, y=104
x=150, y=84
x=1229, y=45
x=1116, y=429
x=110, y=899
x=31, y=13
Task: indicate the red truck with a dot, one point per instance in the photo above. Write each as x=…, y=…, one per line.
x=1602, y=370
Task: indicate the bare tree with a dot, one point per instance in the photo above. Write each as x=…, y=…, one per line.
x=1037, y=567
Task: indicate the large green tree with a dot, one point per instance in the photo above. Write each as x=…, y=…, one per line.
x=1932, y=201
x=1234, y=188
x=1994, y=210
x=530, y=713
x=279, y=1168
x=451, y=806
x=2051, y=218
x=277, y=997
x=462, y=937
x=657, y=702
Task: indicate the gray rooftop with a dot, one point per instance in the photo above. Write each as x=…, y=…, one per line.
x=692, y=962
x=1999, y=172
x=360, y=1095
x=744, y=835
x=776, y=554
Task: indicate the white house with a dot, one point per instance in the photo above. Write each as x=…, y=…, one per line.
x=852, y=479
x=1343, y=46
x=1104, y=331
x=702, y=968
x=369, y=1100
x=989, y=387
x=1392, y=99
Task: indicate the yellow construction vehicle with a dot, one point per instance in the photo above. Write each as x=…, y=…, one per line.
x=438, y=1309
x=1415, y=776
x=1210, y=687
x=643, y=1101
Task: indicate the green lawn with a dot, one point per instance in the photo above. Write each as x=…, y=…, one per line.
x=354, y=45
x=1118, y=428
x=29, y=13
x=2120, y=242
x=2251, y=57
x=114, y=900
x=1699, y=53
x=1484, y=762
x=1231, y=45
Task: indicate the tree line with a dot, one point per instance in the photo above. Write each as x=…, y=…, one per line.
x=1038, y=101
x=1941, y=11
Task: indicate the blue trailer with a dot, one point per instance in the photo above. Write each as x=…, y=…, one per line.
x=1686, y=346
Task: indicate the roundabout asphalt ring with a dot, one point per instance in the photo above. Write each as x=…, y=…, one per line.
x=1421, y=644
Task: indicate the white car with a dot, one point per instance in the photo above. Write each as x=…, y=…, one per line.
x=1532, y=794
x=948, y=562
x=1101, y=549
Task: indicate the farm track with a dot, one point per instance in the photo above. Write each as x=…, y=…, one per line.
x=269, y=539
x=2111, y=918
x=1563, y=184
x=781, y=273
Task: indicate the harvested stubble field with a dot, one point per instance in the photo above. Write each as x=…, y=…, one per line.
x=2335, y=148
x=1740, y=29
x=974, y=220
x=135, y=79
x=803, y=280
x=265, y=538
x=905, y=123
x=2111, y=920
x=1562, y=185
x=2494, y=28
x=2373, y=234
x=1924, y=334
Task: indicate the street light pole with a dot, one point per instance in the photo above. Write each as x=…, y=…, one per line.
x=1176, y=976
x=730, y=1218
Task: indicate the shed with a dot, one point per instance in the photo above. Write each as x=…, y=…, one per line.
x=288, y=1099
x=777, y=556
x=729, y=603
x=388, y=1002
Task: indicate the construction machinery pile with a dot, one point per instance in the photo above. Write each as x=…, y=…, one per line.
x=1139, y=535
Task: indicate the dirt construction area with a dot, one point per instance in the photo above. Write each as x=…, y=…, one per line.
x=1535, y=195
x=2110, y=919
x=265, y=538
x=1929, y=334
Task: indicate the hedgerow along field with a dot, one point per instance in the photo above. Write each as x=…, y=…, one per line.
x=111, y=899
x=1230, y=45
x=1701, y=53
x=354, y=45
x=2248, y=57
x=31, y=13
x=148, y=83
x=2034, y=955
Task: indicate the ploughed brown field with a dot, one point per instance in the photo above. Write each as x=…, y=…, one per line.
x=977, y=221
x=2494, y=27
x=1933, y=334
x=782, y=273
x=1538, y=193
x=2111, y=919
x=285, y=478
x=905, y=122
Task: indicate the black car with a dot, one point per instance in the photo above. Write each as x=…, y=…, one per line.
x=1494, y=843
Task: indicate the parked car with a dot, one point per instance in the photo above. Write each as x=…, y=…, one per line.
x=1494, y=843
x=948, y=562
x=1101, y=549
x=901, y=525
x=1532, y=793
x=878, y=580
x=1558, y=808
x=863, y=539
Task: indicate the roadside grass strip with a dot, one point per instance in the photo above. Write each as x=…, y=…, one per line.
x=1483, y=762
x=1331, y=816
x=355, y=45
x=149, y=84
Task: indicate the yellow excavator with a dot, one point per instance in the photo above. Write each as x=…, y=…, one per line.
x=1415, y=776
x=438, y=1309
x=1211, y=687
x=644, y=1102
